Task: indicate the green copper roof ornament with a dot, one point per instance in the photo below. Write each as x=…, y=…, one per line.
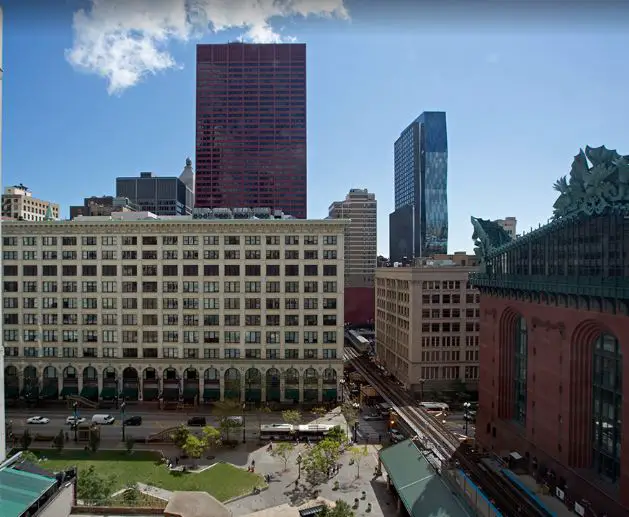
x=49, y=216
x=488, y=235
x=592, y=190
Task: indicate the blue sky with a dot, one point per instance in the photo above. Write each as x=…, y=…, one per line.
x=523, y=90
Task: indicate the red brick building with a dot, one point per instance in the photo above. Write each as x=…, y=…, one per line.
x=554, y=338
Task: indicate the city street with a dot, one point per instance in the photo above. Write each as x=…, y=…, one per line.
x=152, y=421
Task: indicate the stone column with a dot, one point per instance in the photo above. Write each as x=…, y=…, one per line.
x=320, y=389
x=263, y=389
x=79, y=376
x=100, y=383
x=221, y=381
x=201, y=388
x=242, y=388
x=301, y=388
x=282, y=388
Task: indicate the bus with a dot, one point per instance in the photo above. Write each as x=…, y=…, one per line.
x=435, y=407
x=277, y=432
x=313, y=432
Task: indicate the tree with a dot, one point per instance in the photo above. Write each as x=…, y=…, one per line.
x=283, y=450
x=129, y=444
x=94, y=438
x=225, y=409
x=337, y=434
x=59, y=441
x=194, y=447
x=292, y=416
x=320, y=459
x=211, y=437
x=26, y=439
x=340, y=509
x=29, y=456
x=180, y=436
x=92, y=487
x=131, y=495
x=358, y=455
x=350, y=413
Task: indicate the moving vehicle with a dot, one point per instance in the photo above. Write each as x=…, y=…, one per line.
x=397, y=436
x=197, y=421
x=435, y=407
x=40, y=420
x=277, y=432
x=103, y=419
x=133, y=420
x=75, y=420
x=313, y=432
x=375, y=416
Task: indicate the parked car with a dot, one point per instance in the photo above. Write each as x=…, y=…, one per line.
x=374, y=416
x=75, y=420
x=197, y=421
x=38, y=420
x=133, y=420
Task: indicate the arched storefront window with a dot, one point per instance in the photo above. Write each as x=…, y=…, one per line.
x=520, y=371
x=607, y=407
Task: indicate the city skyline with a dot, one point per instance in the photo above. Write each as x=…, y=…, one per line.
x=362, y=91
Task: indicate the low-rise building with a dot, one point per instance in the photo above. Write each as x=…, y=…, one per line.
x=427, y=323
x=237, y=308
x=19, y=204
x=102, y=205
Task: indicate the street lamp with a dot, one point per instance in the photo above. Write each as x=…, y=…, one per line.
x=466, y=414
x=421, y=389
x=123, y=405
x=299, y=460
x=75, y=408
x=342, y=383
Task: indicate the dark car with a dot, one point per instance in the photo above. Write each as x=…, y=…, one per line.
x=133, y=420
x=197, y=421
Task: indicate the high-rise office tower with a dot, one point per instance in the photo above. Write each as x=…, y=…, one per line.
x=419, y=225
x=251, y=127
x=361, y=252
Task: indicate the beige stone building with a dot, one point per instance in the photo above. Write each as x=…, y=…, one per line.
x=246, y=309
x=509, y=224
x=361, y=246
x=18, y=203
x=427, y=323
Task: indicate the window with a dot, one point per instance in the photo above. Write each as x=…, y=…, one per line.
x=520, y=371
x=607, y=407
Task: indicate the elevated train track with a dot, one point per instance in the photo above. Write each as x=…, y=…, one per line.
x=445, y=446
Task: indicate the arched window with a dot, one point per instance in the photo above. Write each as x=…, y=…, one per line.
x=607, y=407
x=520, y=357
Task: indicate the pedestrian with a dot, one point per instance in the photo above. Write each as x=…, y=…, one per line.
x=253, y=463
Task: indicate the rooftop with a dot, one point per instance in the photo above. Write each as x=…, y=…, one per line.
x=20, y=489
x=419, y=486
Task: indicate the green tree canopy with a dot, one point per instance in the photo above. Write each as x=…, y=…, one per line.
x=92, y=487
x=320, y=459
x=283, y=450
x=194, y=446
x=292, y=416
x=340, y=509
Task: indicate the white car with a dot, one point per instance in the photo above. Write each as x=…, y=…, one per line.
x=38, y=420
x=73, y=420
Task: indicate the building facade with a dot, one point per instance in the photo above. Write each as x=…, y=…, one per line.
x=19, y=204
x=419, y=225
x=241, y=309
x=361, y=252
x=509, y=225
x=554, y=331
x=427, y=325
x=103, y=205
x=161, y=195
x=251, y=127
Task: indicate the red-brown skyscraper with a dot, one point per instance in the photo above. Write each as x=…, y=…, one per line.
x=251, y=127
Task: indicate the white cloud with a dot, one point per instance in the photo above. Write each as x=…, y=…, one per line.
x=124, y=40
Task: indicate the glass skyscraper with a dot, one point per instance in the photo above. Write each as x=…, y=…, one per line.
x=419, y=225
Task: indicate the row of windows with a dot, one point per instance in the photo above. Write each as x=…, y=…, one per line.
x=444, y=356
x=169, y=287
x=173, y=353
x=174, y=240
x=270, y=254
x=450, y=313
x=170, y=336
x=187, y=320
x=250, y=270
x=447, y=341
x=174, y=303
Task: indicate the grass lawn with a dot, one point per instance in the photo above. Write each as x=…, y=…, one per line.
x=223, y=481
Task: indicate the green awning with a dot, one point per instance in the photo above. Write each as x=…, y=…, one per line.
x=232, y=395
x=329, y=395
x=211, y=394
x=291, y=394
x=189, y=392
x=273, y=394
x=171, y=394
x=69, y=390
x=311, y=395
x=90, y=392
x=108, y=393
x=130, y=393
x=253, y=395
x=150, y=393
x=50, y=392
x=11, y=392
